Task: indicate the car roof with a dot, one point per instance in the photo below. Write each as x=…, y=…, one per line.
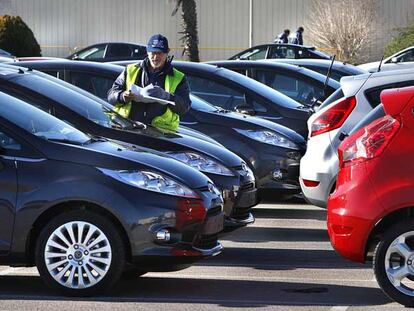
x=69, y=63
x=275, y=65
x=324, y=63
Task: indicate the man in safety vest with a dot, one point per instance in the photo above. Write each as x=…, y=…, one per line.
x=155, y=77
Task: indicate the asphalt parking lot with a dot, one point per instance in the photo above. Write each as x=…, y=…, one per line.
x=283, y=261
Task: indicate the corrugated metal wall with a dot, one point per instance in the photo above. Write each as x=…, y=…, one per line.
x=62, y=25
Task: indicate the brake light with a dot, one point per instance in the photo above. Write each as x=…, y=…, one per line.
x=310, y=183
x=189, y=212
x=369, y=142
x=334, y=117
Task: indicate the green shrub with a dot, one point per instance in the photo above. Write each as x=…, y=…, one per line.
x=17, y=38
x=404, y=39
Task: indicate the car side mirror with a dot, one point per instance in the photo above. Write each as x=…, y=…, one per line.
x=245, y=110
x=75, y=57
x=394, y=60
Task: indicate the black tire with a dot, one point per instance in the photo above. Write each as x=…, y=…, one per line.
x=403, y=294
x=111, y=237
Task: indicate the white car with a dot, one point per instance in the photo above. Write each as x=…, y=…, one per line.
x=401, y=60
x=336, y=117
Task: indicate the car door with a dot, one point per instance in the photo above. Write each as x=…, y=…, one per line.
x=9, y=148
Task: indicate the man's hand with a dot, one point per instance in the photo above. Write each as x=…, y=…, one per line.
x=156, y=91
x=127, y=96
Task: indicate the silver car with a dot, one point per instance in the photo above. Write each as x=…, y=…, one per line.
x=403, y=59
x=335, y=118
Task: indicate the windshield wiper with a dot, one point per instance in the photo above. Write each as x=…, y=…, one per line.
x=68, y=141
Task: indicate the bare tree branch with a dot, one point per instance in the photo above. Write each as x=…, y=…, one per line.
x=343, y=26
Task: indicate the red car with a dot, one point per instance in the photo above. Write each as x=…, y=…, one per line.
x=371, y=212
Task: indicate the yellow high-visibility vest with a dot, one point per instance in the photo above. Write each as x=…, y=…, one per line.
x=169, y=120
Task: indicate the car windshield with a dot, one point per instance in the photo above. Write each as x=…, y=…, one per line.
x=74, y=99
x=259, y=88
x=201, y=105
x=38, y=122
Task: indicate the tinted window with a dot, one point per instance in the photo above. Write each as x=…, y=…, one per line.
x=260, y=89
x=215, y=93
x=95, y=52
x=38, y=122
x=282, y=52
x=90, y=109
x=253, y=54
x=373, y=94
x=301, y=90
x=8, y=143
x=92, y=83
x=118, y=50
x=407, y=56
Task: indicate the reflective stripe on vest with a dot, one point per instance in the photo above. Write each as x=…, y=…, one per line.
x=169, y=120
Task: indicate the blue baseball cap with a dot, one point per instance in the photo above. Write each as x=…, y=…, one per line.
x=157, y=43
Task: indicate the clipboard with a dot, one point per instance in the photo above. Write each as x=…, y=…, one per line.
x=149, y=99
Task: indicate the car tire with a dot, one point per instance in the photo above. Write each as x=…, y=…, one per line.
x=80, y=253
x=394, y=263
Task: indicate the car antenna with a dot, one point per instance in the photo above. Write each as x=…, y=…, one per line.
x=380, y=63
x=325, y=85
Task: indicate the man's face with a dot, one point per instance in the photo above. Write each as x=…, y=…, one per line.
x=157, y=59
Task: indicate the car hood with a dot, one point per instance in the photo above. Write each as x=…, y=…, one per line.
x=240, y=121
x=180, y=142
x=109, y=155
x=196, y=134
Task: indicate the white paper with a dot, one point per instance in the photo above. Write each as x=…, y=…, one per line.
x=138, y=91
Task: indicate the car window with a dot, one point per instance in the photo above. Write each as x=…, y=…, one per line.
x=92, y=83
x=8, y=143
x=118, y=50
x=407, y=56
x=82, y=105
x=215, y=93
x=201, y=105
x=282, y=52
x=39, y=123
x=96, y=52
x=373, y=94
x=301, y=90
x=335, y=74
x=254, y=54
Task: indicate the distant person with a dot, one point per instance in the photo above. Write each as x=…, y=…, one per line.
x=156, y=77
x=298, y=38
x=283, y=37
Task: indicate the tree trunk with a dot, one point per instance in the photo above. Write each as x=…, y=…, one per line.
x=189, y=29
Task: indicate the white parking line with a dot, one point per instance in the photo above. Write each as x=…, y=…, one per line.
x=9, y=270
x=339, y=308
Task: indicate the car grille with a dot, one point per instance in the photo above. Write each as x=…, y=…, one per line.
x=206, y=241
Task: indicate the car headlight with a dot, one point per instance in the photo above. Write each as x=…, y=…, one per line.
x=151, y=181
x=268, y=137
x=201, y=163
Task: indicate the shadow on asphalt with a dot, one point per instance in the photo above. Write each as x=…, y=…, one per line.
x=280, y=259
x=228, y=293
x=287, y=213
x=266, y=234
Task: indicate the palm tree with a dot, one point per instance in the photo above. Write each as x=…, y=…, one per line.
x=189, y=28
